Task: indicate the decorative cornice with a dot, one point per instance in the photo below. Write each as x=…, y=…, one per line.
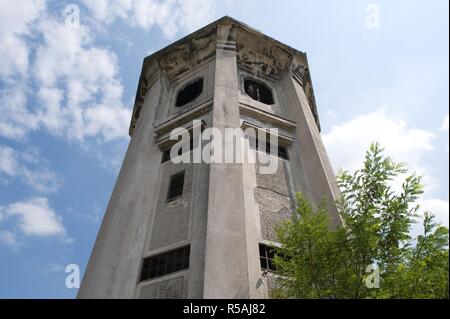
x=226, y=37
x=180, y=119
x=275, y=120
x=185, y=56
x=263, y=57
x=164, y=141
x=281, y=138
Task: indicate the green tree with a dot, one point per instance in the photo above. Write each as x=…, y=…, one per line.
x=316, y=261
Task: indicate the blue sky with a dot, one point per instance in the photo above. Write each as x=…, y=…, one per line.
x=379, y=68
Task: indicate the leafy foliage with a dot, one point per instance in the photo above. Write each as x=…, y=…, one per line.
x=377, y=221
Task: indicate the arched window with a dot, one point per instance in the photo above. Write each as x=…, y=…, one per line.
x=189, y=93
x=258, y=92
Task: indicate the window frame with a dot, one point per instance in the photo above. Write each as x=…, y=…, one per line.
x=169, y=188
x=165, y=155
x=263, y=84
x=281, y=152
x=164, y=263
x=266, y=257
x=184, y=87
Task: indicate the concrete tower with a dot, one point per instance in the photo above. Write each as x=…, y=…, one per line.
x=204, y=230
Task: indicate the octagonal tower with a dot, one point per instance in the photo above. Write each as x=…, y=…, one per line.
x=205, y=230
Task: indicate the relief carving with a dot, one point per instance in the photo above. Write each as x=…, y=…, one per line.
x=261, y=57
x=185, y=56
x=176, y=61
x=204, y=48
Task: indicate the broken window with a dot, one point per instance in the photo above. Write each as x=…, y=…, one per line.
x=266, y=256
x=165, y=263
x=258, y=92
x=189, y=93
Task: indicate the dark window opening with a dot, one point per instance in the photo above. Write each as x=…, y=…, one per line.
x=165, y=156
x=166, y=152
x=189, y=93
x=175, y=186
x=165, y=263
x=280, y=151
x=266, y=256
x=258, y=92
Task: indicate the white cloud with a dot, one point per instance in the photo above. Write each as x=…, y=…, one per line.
x=439, y=207
x=13, y=56
x=16, y=25
x=68, y=84
x=8, y=238
x=111, y=123
x=29, y=167
x=444, y=126
x=77, y=83
x=15, y=20
x=171, y=16
x=15, y=120
x=346, y=144
x=42, y=180
x=195, y=14
x=92, y=215
x=108, y=10
x=8, y=164
x=54, y=267
x=33, y=217
x=81, y=97
x=148, y=13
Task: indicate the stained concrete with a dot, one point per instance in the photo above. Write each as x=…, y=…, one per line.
x=226, y=209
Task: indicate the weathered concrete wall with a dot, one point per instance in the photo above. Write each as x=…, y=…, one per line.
x=113, y=268
x=138, y=205
x=167, y=287
x=226, y=209
x=310, y=167
x=198, y=231
x=181, y=221
x=226, y=274
x=273, y=198
x=253, y=233
x=171, y=221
